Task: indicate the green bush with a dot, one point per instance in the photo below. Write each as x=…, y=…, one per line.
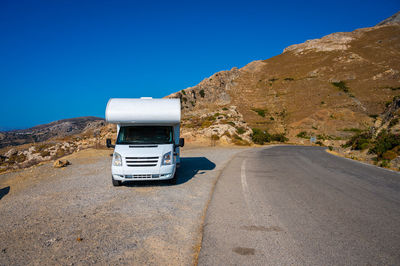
x=260, y=137
x=330, y=148
x=355, y=130
x=206, y=123
x=202, y=93
x=364, y=146
x=210, y=118
x=393, y=122
x=216, y=114
x=279, y=137
x=183, y=92
x=359, y=140
x=303, y=135
x=240, y=130
x=271, y=118
x=385, y=163
x=289, y=79
x=225, y=109
x=341, y=85
x=385, y=145
x=260, y=112
x=384, y=142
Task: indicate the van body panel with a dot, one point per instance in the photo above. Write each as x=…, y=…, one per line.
x=143, y=161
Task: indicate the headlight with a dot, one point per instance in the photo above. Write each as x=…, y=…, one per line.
x=117, y=159
x=167, y=159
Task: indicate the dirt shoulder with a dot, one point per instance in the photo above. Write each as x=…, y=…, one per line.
x=74, y=215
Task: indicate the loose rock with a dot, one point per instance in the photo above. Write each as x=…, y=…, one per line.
x=61, y=163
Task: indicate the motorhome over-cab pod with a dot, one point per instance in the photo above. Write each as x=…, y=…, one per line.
x=143, y=111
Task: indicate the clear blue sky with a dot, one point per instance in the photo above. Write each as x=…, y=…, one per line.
x=63, y=59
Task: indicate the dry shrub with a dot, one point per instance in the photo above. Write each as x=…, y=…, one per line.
x=226, y=133
x=389, y=155
x=240, y=142
x=60, y=152
x=214, y=137
x=44, y=153
x=206, y=123
x=241, y=130
x=41, y=147
x=17, y=158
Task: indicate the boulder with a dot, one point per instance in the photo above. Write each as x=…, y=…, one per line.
x=11, y=152
x=61, y=163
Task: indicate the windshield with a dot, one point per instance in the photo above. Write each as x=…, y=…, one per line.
x=145, y=135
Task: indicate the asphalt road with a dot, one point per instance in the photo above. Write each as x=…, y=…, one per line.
x=302, y=206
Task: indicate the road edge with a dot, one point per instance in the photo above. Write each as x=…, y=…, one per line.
x=199, y=242
x=336, y=154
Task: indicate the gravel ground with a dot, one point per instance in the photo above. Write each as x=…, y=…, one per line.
x=74, y=215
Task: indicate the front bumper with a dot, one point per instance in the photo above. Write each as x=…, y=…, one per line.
x=143, y=174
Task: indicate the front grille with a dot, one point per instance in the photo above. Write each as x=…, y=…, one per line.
x=142, y=176
x=141, y=161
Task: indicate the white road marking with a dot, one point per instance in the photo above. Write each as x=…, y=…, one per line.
x=246, y=191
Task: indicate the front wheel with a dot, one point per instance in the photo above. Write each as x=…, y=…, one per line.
x=116, y=183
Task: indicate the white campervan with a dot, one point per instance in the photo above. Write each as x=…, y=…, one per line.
x=147, y=145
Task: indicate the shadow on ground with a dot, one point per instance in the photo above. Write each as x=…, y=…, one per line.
x=4, y=191
x=190, y=166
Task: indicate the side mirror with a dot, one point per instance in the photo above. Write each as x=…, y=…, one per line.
x=181, y=142
x=108, y=143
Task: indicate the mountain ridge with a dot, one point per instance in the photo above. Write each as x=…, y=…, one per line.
x=345, y=79
x=43, y=132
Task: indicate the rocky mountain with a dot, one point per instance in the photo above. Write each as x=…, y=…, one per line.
x=322, y=87
x=56, y=129
x=343, y=90
x=65, y=137
x=395, y=19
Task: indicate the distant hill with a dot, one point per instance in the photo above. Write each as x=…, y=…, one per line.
x=60, y=128
x=322, y=87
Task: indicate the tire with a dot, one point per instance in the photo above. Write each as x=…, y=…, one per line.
x=116, y=183
x=174, y=180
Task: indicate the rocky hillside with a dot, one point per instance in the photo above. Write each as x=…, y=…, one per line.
x=322, y=87
x=343, y=90
x=93, y=135
x=379, y=144
x=56, y=129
